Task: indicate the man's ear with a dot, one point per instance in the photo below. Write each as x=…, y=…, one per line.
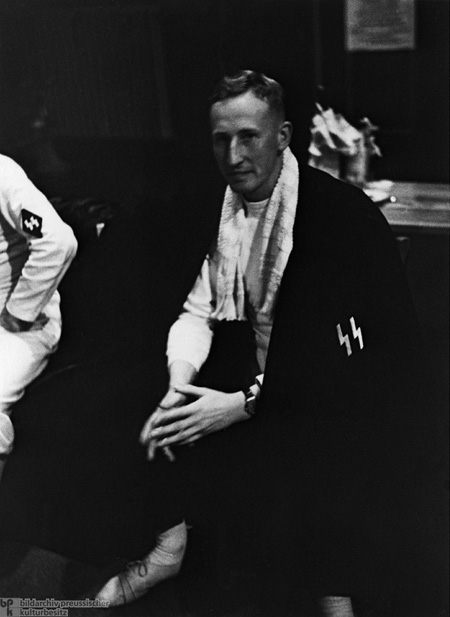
x=284, y=135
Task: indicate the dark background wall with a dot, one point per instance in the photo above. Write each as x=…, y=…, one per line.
x=141, y=72
x=138, y=75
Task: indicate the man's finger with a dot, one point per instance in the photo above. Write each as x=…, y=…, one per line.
x=170, y=456
x=145, y=432
x=167, y=418
x=151, y=451
x=176, y=439
x=168, y=430
x=147, y=429
x=191, y=390
x=150, y=424
x=189, y=441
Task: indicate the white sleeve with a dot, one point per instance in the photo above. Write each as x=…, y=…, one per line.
x=51, y=243
x=191, y=335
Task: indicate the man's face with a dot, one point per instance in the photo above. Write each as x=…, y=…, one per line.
x=248, y=141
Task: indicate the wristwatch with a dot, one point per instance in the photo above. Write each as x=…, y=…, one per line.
x=250, y=402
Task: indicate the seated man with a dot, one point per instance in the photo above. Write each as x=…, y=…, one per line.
x=36, y=248
x=338, y=420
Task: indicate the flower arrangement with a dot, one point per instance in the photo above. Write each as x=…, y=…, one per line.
x=339, y=148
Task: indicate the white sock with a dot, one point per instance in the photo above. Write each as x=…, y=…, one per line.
x=170, y=546
x=337, y=606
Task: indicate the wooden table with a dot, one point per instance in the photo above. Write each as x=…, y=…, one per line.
x=418, y=207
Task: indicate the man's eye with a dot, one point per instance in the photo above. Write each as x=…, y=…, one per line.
x=247, y=137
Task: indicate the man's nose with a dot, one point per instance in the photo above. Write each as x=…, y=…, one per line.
x=234, y=153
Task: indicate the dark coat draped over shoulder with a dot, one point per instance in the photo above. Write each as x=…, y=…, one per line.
x=332, y=487
x=346, y=422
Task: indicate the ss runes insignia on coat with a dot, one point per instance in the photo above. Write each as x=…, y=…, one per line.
x=344, y=339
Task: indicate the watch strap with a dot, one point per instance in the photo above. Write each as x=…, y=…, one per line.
x=250, y=402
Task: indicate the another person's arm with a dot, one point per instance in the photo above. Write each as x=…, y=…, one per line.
x=51, y=245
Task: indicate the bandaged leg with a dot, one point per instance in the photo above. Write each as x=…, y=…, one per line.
x=163, y=562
